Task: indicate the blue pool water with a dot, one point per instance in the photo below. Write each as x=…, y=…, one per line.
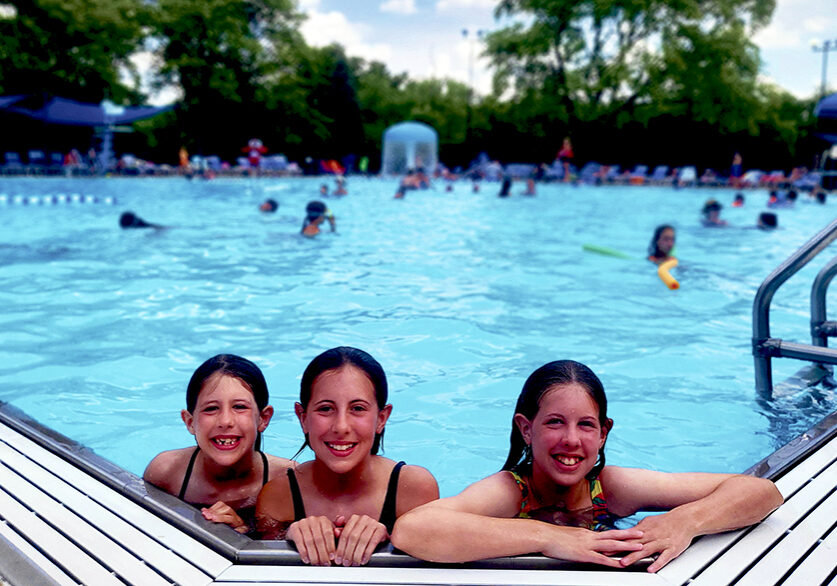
x=459, y=296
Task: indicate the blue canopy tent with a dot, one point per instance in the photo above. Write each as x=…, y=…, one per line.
x=826, y=114
x=105, y=116
x=409, y=145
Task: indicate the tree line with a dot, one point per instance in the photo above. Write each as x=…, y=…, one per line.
x=629, y=81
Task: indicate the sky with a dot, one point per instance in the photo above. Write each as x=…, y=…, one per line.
x=425, y=38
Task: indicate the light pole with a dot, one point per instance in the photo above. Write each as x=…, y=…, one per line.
x=825, y=48
x=467, y=36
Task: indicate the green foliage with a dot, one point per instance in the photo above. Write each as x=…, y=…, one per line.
x=74, y=48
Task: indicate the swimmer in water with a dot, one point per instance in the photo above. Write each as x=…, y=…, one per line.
x=269, y=205
x=324, y=190
x=315, y=213
x=712, y=214
x=662, y=244
x=131, y=220
x=767, y=221
x=341, y=187
x=738, y=201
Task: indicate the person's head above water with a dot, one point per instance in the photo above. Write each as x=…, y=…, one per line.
x=662, y=242
x=233, y=366
x=131, y=220
x=315, y=209
x=711, y=206
x=340, y=357
x=555, y=377
x=269, y=205
x=767, y=221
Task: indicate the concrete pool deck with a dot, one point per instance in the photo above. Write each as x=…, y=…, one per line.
x=67, y=516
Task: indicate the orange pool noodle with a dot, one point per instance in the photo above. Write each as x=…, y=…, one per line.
x=665, y=276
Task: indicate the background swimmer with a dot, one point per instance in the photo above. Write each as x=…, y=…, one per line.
x=269, y=205
x=712, y=214
x=662, y=244
x=131, y=220
x=315, y=213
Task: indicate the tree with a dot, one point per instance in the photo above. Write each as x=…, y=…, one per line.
x=219, y=52
x=73, y=48
x=582, y=60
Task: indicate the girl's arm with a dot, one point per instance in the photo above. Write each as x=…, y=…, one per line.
x=700, y=504
x=416, y=486
x=478, y=524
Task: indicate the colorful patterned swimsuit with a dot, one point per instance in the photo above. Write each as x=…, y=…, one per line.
x=602, y=520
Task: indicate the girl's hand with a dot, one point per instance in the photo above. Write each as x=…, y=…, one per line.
x=314, y=538
x=582, y=545
x=357, y=539
x=663, y=535
x=221, y=512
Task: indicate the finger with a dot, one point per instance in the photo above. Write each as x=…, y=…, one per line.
x=664, y=558
x=621, y=534
x=348, y=538
x=324, y=541
x=634, y=557
x=604, y=560
x=379, y=535
x=613, y=546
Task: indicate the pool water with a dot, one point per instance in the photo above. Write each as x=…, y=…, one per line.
x=459, y=295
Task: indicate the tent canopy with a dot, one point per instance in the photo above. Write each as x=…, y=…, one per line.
x=70, y=112
x=826, y=114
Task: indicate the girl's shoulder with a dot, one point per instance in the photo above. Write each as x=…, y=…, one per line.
x=279, y=466
x=166, y=469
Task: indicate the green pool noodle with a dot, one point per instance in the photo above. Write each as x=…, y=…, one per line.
x=606, y=251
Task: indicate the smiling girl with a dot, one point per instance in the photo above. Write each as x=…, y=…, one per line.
x=226, y=411
x=338, y=507
x=556, y=472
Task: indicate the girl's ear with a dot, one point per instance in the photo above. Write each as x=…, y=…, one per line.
x=265, y=417
x=605, y=430
x=383, y=415
x=188, y=419
x=525, y=427
x=300, y=414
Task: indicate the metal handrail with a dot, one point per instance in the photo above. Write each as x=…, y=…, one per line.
x=764, y=347
x=821, y=328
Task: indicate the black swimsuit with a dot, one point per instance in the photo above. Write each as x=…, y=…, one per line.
x=246, y=510
x=387, y=518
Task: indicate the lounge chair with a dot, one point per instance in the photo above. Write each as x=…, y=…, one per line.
x=687, y=176
x=638, y=175
x=37, y=162
x=659, y=176
x=13, y=165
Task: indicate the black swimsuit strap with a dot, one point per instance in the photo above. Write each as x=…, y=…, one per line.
x=188, y=474
x=296, y=496
x=191, y=465
x=265, y=471
x=388, y=511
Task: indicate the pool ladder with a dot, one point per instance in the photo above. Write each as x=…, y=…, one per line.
x=766, y=348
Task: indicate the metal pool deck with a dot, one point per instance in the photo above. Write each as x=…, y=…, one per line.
x=69, y=517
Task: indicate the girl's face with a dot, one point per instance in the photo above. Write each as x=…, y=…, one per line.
x=565, y=434
x=226, y=419
x=342, y=418
x=666, y=240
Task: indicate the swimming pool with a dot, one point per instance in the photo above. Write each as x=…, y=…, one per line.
x=459, y=296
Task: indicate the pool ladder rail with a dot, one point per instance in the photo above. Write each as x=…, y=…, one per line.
x=765, y=348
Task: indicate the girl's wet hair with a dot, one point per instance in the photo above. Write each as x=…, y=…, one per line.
x=334, y=359
x=229, y=365
x=547, y=377
x=653, y=248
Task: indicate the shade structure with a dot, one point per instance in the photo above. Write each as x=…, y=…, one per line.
x=826, y=114
x=105, y=116
x=409, y=145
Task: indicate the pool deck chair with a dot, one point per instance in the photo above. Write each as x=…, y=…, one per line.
x=67, y=516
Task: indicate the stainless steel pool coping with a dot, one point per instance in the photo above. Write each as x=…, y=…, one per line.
x=224, y=556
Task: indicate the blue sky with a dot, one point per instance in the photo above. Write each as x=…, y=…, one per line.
x=424, y=37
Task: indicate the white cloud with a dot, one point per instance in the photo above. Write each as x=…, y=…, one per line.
x=463, y=5
x=399, y=6
x=323, y=28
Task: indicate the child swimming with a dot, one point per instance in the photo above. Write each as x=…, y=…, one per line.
x=338, y=507
x=226, y=411
x=662, y=244
x=555, y=472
